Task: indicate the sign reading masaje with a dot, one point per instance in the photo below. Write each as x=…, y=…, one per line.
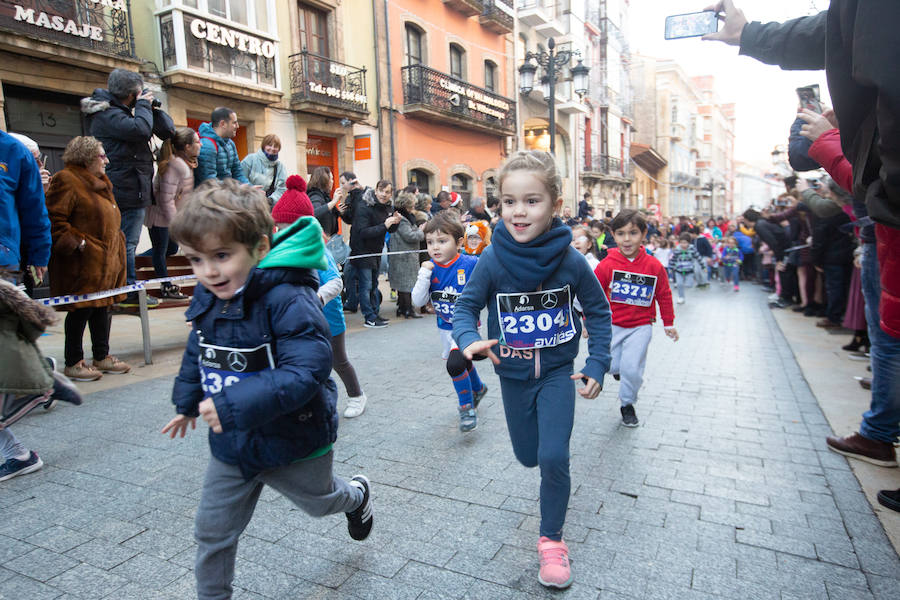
x=40, y=18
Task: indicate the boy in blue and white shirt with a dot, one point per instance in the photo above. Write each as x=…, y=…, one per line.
x=442, y=280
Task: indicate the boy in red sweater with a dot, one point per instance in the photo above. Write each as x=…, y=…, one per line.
x=634, y=283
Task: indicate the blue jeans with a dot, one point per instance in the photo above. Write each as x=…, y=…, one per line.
x=733, y=274
x=882, y=421
x=539, y=416
x=837, y=284
x=369, y=302
x=351, y=280
x=132, y=221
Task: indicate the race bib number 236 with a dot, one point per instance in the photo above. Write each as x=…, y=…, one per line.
x=222, y=366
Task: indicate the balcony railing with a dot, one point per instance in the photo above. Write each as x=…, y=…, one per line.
x=603, y=164
x=437, y=96
x=90, y=25
x=221, y=51
x=466, y=7
x=321, y=80
x=498, y=16
x=682, y=179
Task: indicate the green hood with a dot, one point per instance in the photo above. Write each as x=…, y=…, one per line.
x=300, y=245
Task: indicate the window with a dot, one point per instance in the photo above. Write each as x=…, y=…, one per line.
x=421, y=179
x=414, y=38
x=490, y=187
x=313, y=30
x=233, y=10
x=522, y=48
x=252, y=13
x=490, y=76
x=462, y=185
x=457, y=61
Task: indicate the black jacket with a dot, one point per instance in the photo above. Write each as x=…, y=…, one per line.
x=126, y=141
x=353, y=200
x=327, y=217
x=831, y=245
x=368, y=231
x=855, y=42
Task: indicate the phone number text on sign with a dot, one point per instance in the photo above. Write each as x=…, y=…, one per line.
x=536, y=319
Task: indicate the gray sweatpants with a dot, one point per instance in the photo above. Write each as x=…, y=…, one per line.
x=227, y=503
x=629, y=357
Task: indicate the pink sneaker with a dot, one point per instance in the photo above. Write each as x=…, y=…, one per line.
x=555, y=571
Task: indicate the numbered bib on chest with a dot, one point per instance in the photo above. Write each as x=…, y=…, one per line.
x=536, y=319
x=632, y=288
x=444, y=302
x=221, y=366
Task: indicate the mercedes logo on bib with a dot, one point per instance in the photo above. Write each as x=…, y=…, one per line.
x=549, y=300
x=237, y=361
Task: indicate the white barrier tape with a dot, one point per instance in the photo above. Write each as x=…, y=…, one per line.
x=384, y=253
x=134, y=287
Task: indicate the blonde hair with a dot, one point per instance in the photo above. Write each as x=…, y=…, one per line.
x=232, y=211
x=405, y=201
x=81, y=151
x=542, y=164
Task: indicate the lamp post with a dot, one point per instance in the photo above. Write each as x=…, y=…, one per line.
x=552, y=63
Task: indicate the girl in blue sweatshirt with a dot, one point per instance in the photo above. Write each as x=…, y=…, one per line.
x=528, y=278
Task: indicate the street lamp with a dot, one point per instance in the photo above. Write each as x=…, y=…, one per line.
x=552, y=63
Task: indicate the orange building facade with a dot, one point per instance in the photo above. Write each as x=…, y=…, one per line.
x=446, y=98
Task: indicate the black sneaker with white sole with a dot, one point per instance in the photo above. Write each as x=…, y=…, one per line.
x=629, y=418
x=359, y=521
x=480, y=394
x=376, y=323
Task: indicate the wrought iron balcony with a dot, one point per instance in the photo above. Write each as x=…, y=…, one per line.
x=325, y=86
x=84, y=24
x=224, y=52
x=436, y=96
x=466, y=7
x=603, y=166
x=497, y=18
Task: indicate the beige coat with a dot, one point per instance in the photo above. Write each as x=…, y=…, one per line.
x=168, y=192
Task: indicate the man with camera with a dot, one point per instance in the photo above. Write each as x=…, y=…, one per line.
x=124, y=118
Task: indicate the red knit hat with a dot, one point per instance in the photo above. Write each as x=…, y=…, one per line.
x=294, y=203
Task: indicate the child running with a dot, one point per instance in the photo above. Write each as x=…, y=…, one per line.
x=528, y=278
x=681, y=262
x=635, y=284
x=256, y=369
x=732, y=259
x=441, y=280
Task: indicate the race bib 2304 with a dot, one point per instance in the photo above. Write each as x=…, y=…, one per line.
x=221, y=366
x=536, y=319
x=632, y=288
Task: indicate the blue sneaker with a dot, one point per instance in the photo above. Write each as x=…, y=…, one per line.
x=467, y=418
x=14, y=466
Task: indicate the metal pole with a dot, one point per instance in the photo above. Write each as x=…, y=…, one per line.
x=551, y=43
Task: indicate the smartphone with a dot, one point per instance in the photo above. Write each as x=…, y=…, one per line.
x=809, y=98
x=691, y=25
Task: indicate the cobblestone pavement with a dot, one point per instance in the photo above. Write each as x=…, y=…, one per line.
x=726, y=489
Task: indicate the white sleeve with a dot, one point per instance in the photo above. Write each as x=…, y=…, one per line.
x=423, y=286
x=330, y=290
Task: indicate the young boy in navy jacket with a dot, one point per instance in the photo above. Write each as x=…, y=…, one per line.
x=256, y=368
x=635, y=284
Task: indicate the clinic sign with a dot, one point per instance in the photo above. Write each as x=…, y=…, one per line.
x=219, y=34
x=473, y=99
x=77, y=23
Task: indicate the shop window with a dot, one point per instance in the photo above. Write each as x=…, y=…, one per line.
x=490, y=75
x=457, y=61
x=462, y=185
x=414, y=40
x=421, y=179
x=314, y=30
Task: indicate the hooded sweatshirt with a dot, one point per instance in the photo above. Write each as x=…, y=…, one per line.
x=635, y=288
x=264, y=357
x=547, y=264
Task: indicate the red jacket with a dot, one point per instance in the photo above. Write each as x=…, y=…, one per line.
x=630, y=315
x=826, y=151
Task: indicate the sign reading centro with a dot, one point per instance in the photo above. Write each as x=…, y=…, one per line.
x=219, y=34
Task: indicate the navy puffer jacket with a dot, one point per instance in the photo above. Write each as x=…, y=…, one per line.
x=279, y=414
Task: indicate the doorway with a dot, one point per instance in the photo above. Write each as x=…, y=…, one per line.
x=240, y=138
x=322, y=152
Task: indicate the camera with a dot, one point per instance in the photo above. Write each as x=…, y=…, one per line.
x=155, y=103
